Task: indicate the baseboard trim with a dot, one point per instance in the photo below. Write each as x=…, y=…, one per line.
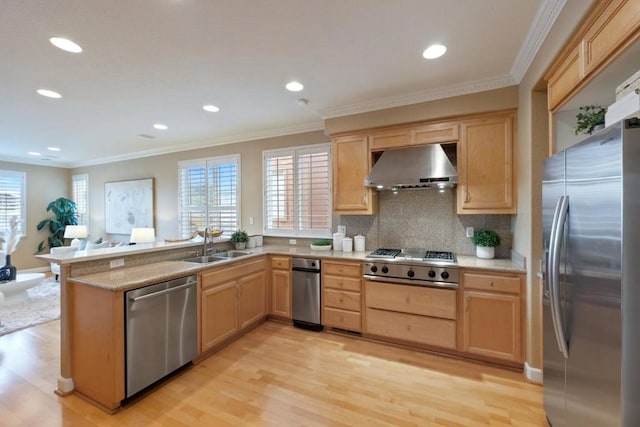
x=533, y=374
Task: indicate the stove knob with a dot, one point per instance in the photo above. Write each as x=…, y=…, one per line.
x=431, y=273
x=374, y=268
x=385, y=269
x=444, y=275
x=411, y=273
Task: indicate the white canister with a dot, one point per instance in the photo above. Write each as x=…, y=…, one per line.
x=337, y=241
x=347, y=244
x=358, y=243
x=259, y=240
x=251, y=243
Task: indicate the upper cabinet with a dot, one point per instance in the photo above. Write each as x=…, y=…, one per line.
x=485, y=165
x=611, y=28
x=351, y=165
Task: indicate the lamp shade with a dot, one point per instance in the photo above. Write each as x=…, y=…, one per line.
x=75, y=232
x=143, y=235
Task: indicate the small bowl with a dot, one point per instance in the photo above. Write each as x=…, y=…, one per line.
x=212, y=234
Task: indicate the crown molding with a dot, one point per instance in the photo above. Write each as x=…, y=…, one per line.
x=250, y=136
x=540, y=28
x=458, y=89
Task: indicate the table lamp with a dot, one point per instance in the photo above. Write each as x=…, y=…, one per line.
x=143, y=235
x=75, y=232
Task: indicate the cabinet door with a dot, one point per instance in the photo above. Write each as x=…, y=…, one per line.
x=219, y=313
x=351, y=165
x=485, y=166
x=393, y=138
x=281, y=293
x=251, y=302
x=492, y=325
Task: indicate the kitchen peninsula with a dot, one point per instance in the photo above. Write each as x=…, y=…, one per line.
x=238, y=294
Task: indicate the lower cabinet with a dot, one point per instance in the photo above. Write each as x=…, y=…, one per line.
x=281, y=286
x=411, y=313
x=232, y=298
x=341, y=295
x=492, y=316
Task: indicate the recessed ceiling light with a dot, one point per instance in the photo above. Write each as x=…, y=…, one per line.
x=294, y=86
x=33, y=153
x=65, y=44
x=211, y=108
x=53, y=148
x=160, y=126
x=49, y=93
x=434, y=51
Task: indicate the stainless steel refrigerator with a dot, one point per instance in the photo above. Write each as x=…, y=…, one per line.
x=591, y=303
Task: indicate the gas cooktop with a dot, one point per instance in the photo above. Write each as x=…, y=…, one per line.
x=413, y=255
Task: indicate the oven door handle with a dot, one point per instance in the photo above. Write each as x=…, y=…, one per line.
x=398, y=281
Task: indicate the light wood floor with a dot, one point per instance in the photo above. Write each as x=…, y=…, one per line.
x=279, y=376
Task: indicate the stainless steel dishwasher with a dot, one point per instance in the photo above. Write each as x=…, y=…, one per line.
x=306, y=293
x=160, y=331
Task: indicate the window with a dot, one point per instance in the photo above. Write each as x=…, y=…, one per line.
x=297, y=191
x=209, y=194
x=80, y=195
x=12, y=199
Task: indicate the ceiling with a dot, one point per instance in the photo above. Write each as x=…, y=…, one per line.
x=160, y=61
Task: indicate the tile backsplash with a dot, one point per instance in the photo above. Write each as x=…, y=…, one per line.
x=425, y=218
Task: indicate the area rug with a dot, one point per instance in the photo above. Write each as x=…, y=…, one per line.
x=43, y=305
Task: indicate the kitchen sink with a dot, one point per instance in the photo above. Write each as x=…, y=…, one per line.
x=206, y=259
x=218, y=256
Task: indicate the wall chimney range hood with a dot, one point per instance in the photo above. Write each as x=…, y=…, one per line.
x=412, y=168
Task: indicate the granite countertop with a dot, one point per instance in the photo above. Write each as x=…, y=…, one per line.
x=124, y=279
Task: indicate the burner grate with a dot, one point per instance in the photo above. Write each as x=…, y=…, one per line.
x=385, y=253
x=439, y=256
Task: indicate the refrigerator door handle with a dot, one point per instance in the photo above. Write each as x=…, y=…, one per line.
x=553, y=264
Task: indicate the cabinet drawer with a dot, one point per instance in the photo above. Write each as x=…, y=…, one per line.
x=389, y=139
x=342, y=319
x=344, y=300
x=410, y=327
x=217, y=275
x=346, y=283
x=487, y=282
x=412, y=299
x=283, y=263
x=434, y=133
x=339, y=269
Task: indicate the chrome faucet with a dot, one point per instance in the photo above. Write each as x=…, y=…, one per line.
x=205, y=246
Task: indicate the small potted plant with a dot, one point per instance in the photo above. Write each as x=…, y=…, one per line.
x=589, y=119
x=485, y=241
x=240, y=239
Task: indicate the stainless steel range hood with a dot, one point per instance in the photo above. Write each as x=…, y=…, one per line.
x=415, y=168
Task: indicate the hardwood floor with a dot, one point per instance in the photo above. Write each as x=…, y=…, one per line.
x=279, y=376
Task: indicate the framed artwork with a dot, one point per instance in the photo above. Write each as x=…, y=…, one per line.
x=128, y=204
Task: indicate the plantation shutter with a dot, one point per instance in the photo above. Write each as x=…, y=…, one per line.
x=297, y=191
x=80, y=195
x=12, y=199
x=209, y=194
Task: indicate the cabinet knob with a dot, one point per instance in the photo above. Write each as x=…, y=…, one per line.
x=341, y=318
x=408, y=299
x=491, y=282
x=408, y=327
x=341, y=299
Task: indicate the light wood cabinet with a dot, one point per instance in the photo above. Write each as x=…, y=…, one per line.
x=485, y=165
x=606, y=33
x=341, y=295
x=232, y=298
x=420, y=315
x=219, y=313
x=281, y=287
x=492, y=324
x=351, y=165
x=434, y=133
x=389, y=138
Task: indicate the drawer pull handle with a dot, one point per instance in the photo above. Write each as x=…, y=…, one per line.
x=341, y=318
x=491, y=282
x=341, y=299
x=408, y=299
x=409, y=328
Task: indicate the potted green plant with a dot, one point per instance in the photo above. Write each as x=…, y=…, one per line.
x=240, y=239
x=485, y=241
x=65, y=212
x=590, y=118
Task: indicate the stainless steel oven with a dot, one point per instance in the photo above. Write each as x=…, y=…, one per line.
x=160, y=323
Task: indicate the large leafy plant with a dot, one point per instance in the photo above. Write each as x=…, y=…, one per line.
x=65, y=212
